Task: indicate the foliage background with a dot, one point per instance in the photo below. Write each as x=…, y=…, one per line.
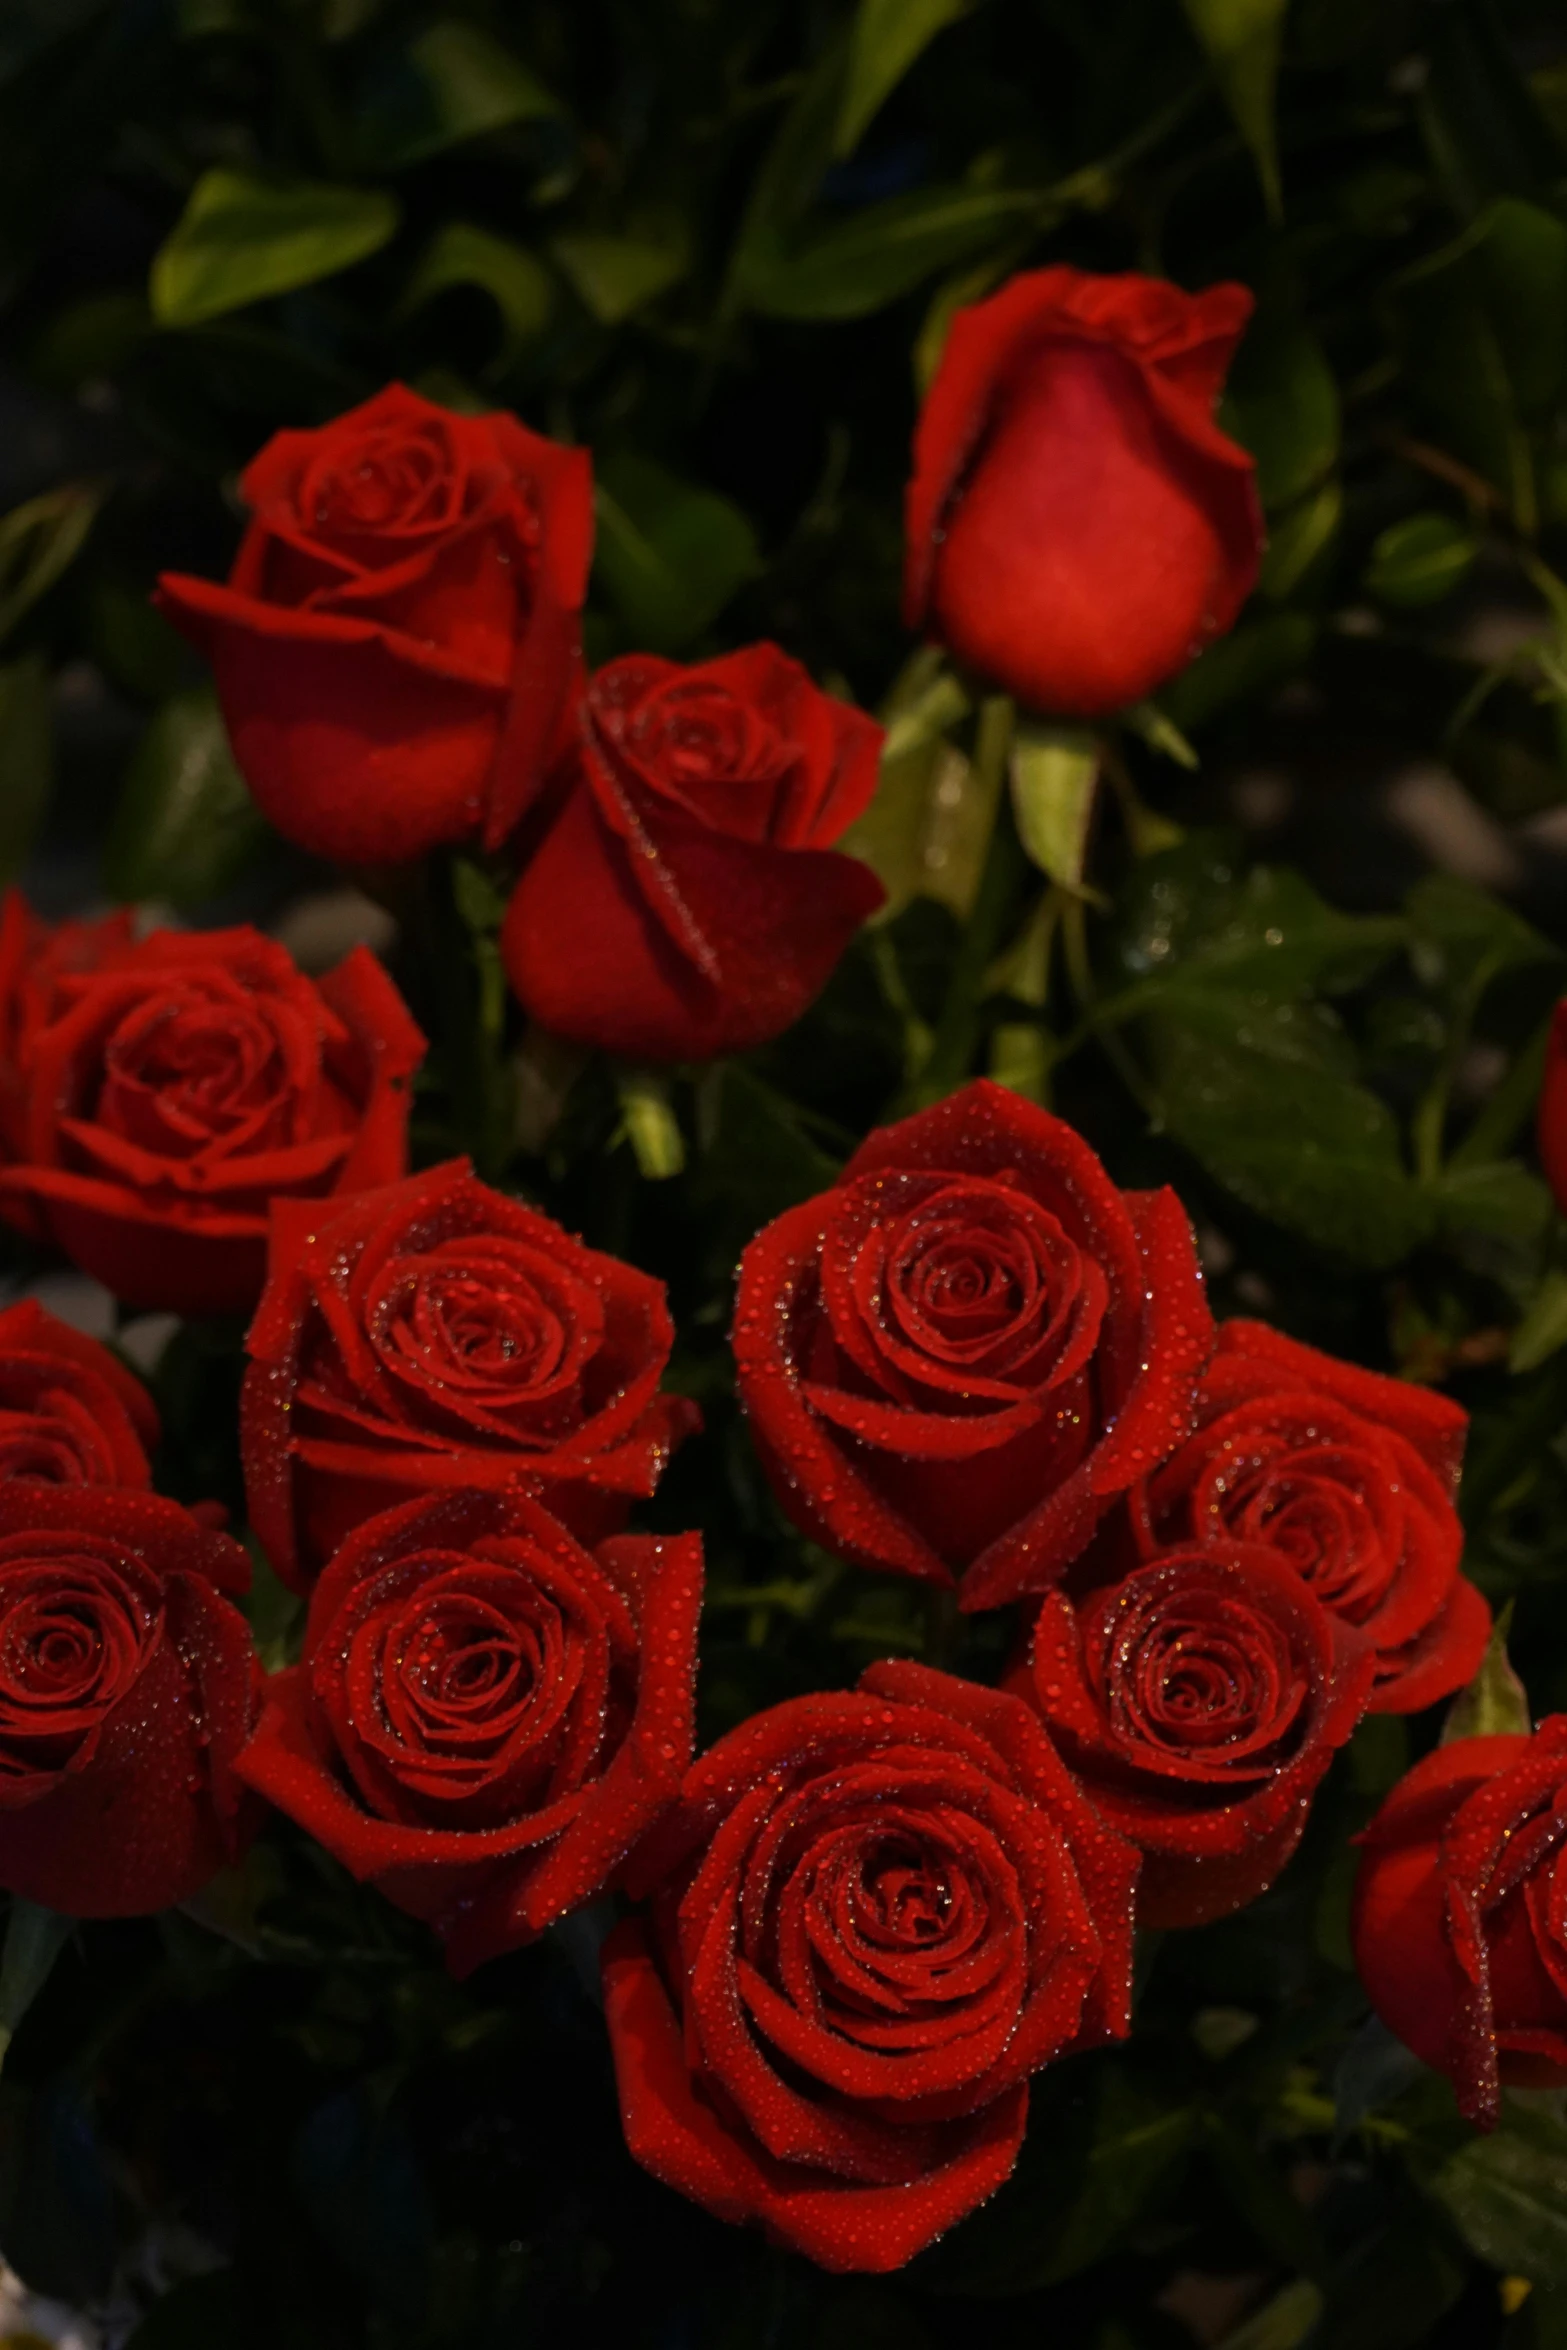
x=1296, y=956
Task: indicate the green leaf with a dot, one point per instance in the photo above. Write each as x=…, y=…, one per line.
x=186, y=827
x=1188, y=919
x=34, y=1939
x=1508, y=2194
x=1260, y=656
x=1544, y=1327
x=1243, y=39
x=650, y=1124
x=1453, y=357
x=38, y=542
x=880, y=252
x=1296, y=539
x=1495, y=1703
x=1461, y=932
x=1283, y=405
x=671, y=555
x=1055, y=774
x=516, y=281
x=1281, y=2323
x=451, y=82
x=26, y=759
x=241, y=239
x=1502, y=1198
x=1420, y=560
x=888, y=36
x=1522, y=262
x=616, y=275
x=926, y=832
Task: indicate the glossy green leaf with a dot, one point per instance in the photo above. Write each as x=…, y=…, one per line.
x=880, y=252
x=1508, y=2194
x=186, y=827
x=26, y=759
x=1420, y=560
x=451, y=82
x=1243, y=39
x=1191, y=919
x=242, y=240
x=1054, y=774
x=38, y=543
x=1283, y=405
x=1495, y=1703
x=518, y=284
x=616, y=275
x=670, y=554
x=888, y=36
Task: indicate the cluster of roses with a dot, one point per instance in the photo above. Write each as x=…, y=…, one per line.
x=864, y=1918
x=867, y=1917
x=396, y=652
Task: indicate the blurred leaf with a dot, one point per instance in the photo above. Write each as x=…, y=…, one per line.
x=1243, y=39
x=516, y=281
x=38, y=542
x=1483, y=130
x=1522, y=257
x=1260, y=656
x=1508, y=2194
x=671, y=555
x=1544, y=1326
x=756, y=1156
x=26, y=759
x=34, y=1939
x=880, y=252
x=1055, y=773
x=1420, y=560
x=1495, y=1703
x=1373, y=2073
x=1296, y=539
x=241, y=240
x=1281, y=2323
x=1503, y=1198
x=27, y=26
x=650, y=1124
x=186, y=827
x=1283, y=405
x=1462, y=933
x=616, y=275
x=888, y=35
x=1455, y=364
x=452, y=81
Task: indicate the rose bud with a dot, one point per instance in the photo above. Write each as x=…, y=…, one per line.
x=874, y=1915
x=70, y=1412
x=186, y=1082
x=436, y=1333
x=486, y=1716
x=1077, y=527
x=955, y=1360
x=697, y=824
x=1199, y=1703
x=397, y=644
x=1350, y=1477
x=127, y=1688
x=1551, y=1127
x=1460, y=1914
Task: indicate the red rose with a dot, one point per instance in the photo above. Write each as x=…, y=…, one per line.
x=1200, y=1703
x=874, y=1915
x=958, y=1357
x=398, y=641
x=35, y=957
x=127, y=1688
x=1351, y=1478
x=485, y=1717
x=1460, y=1915
x=684, y=902
x=436, y=1333
x=70, y=1412
x=1551, y=1130
x=1077, y=526
x=176, y=1089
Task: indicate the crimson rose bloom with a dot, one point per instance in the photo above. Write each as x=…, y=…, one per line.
x=1200, y=1703
x=437, y=1334
x=1350, y=1477
x=1460, y=1915
x=874, y=1915
x=127, y=1688
x=685, y=901
x=398, y=641
x=177, y=1088
x=958, y=1357
x=35, y=957
x=486, y=1716
x=70, y=1412
x=1551, y=1131
x=1077, y=526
